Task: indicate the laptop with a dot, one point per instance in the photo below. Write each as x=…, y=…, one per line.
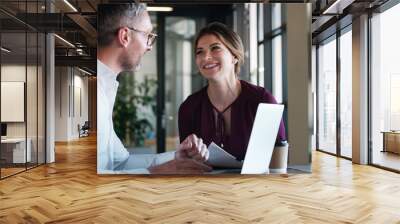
x=261, y=143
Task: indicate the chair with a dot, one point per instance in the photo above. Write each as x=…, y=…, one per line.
x=84, y=130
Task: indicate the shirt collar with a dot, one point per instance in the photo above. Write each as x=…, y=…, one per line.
x=106, y=71
x=107, y=81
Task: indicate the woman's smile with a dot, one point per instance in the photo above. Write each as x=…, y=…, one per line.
x=211, y=67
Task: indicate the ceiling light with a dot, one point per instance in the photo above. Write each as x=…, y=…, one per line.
x=84, y=71
x=331, y=7
x=159, y=9
x=5, y=50
x=64, y=40
x=70, y=5
x=337, y=7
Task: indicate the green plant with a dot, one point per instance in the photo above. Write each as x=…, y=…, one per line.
x=130, y=125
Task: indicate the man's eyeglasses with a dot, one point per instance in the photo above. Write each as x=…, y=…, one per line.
x=151, y=37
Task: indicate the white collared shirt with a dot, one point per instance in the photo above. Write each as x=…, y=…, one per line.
x=111, y=153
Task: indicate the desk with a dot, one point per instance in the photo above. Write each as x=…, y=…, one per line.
x=391, y=141
x=15, y=148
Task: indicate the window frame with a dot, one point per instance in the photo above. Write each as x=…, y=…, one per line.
x=333, y=37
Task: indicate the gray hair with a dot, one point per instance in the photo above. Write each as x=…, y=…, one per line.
x=110, y=17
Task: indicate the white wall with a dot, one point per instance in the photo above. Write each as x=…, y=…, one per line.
x=71, y=94
x=80, y=100
x=61, y=103
x=13, y=73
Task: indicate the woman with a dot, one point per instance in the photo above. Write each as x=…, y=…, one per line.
x=224, y=111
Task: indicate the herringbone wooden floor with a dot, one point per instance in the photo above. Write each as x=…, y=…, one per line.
x=70, y=191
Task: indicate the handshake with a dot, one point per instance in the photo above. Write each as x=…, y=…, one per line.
x=190, y=158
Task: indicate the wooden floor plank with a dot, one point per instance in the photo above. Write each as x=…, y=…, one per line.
x=70, y=191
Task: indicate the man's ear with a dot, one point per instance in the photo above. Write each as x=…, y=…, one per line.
x=123, y=36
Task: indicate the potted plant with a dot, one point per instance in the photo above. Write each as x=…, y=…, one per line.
x=134, y=109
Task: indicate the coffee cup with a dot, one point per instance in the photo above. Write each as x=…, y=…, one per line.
x=279, y=159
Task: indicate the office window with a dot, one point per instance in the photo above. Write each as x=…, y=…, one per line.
x=277, y=68
x=260, y=10
x=22, y=92
x=327, y=96
x=276, y=15
x=346, y=94
x=13, y=107
x=41, y=88
x=271, y=31
x=261, y=68
x=385, y=88
x=32, y=98
x=180, y=74
x=276, y=43
x=253, y=50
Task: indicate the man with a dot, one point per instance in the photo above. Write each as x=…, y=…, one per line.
x=124, y=36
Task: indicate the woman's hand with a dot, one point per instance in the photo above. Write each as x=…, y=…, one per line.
x=192, y=148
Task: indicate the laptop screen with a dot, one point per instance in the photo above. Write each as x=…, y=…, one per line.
x=262, y=139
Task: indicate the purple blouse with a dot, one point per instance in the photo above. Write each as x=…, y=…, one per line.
x=197, y=116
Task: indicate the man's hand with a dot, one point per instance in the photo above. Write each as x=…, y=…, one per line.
x=192, y=148
x=180, y=166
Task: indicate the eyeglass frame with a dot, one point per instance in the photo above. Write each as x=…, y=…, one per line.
x=151, y=37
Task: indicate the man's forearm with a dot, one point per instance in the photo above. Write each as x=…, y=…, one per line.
x=162, y=158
